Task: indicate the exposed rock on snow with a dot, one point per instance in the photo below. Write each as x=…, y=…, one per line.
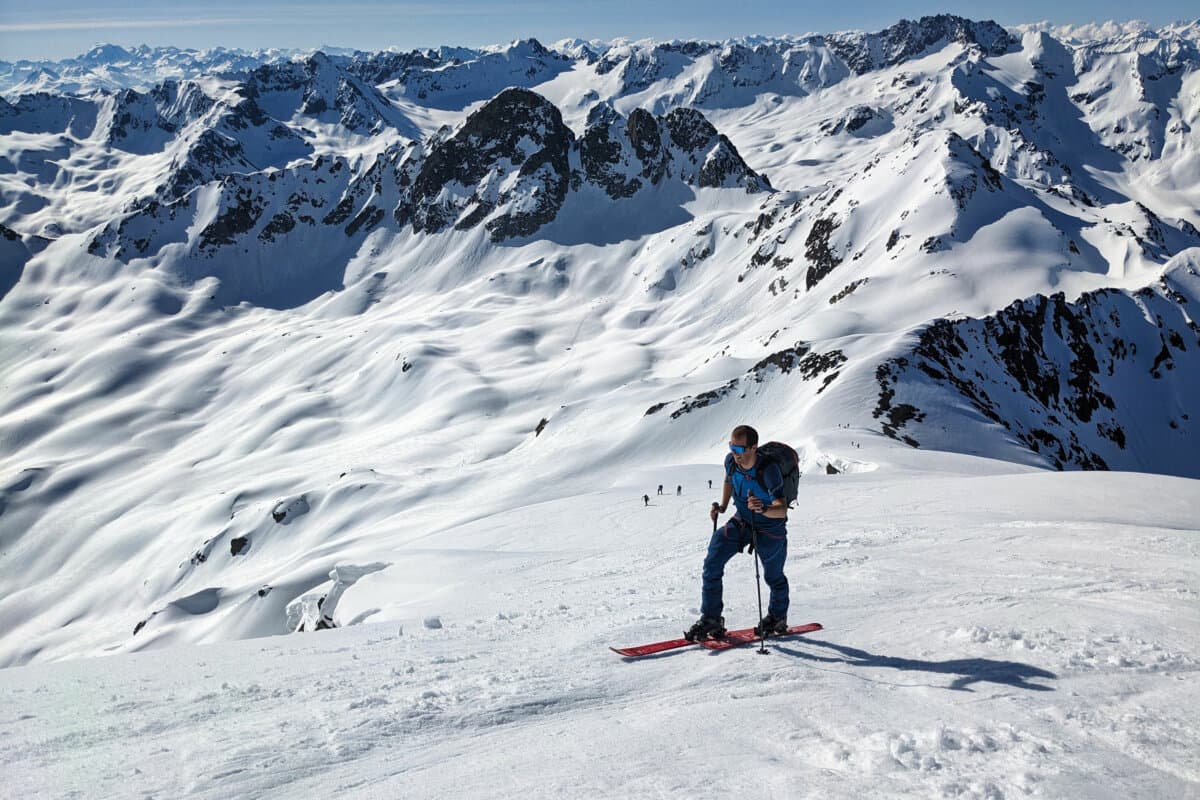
x=910, y=39
x=1107, y=382
x=509, y=157
x=287, y=511
x=509, y=166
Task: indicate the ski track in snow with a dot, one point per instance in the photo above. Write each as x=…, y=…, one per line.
x=977, y=646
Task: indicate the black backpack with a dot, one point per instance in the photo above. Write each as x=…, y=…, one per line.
x=789, y=465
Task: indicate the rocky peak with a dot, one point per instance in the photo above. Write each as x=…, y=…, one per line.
x=707, y=158
x=517, y=131
x=180, y=102
x=510, y=116
x=619, y=154
x=967, y=171
x=606, y=153
x=509, y=166
x=106, y=54
x=646, y=138
x=908, y=39
x=530, y=46
x=321, y=87
x=377, y=68
x=689, y=129
x=145, y=122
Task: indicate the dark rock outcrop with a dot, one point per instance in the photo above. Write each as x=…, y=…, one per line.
x=517, y=129
x=1075, y=382
x=509, y=167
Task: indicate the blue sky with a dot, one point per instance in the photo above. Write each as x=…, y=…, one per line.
x=59, y=28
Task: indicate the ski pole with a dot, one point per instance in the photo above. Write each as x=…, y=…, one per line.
x=762, y=634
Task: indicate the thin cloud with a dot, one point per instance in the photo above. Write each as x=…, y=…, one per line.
x=289, y=12
x=93, y=24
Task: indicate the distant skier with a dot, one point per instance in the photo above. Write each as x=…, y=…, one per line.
x=646, y=499
x=710, y=483
x=660, y=488
x=678, y=491
x=747, y=482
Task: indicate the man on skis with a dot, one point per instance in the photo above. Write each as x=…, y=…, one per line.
x=761, y=521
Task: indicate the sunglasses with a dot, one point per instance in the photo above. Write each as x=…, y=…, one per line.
x=739, y=448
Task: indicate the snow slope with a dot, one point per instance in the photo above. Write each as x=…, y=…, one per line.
x=990, y=633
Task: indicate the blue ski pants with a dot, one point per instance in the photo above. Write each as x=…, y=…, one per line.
x=726, y=542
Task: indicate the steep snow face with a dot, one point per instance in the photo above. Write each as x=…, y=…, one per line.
x=455, y=81
x=1110, y=381
x=320, y=90
x=277, y=321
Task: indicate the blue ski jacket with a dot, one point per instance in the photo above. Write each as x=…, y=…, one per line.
x=763, y=481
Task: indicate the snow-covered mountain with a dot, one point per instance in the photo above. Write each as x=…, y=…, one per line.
x=268, y=314
x=395, y=343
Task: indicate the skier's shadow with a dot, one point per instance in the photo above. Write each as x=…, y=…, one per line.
x=968, y=670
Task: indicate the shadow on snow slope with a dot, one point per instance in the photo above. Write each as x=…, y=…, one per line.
x=968, y=670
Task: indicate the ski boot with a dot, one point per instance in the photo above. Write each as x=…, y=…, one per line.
x=706, y=628
x=770, y=626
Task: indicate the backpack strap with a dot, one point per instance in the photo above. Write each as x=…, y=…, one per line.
x=754, y=473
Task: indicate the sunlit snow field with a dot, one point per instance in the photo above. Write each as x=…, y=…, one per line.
x=989, y=633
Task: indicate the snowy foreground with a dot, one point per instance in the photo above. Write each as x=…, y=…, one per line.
x=992, y=631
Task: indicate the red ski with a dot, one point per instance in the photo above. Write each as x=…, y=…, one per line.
x=748, y=636
x=732, y=639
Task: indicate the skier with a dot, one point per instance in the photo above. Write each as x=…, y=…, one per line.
x=660, y=488
x=678, y=491
x=646, y=499
x=710, y=483
x=761, y=519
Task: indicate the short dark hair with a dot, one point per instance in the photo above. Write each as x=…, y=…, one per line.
x=747, y=433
